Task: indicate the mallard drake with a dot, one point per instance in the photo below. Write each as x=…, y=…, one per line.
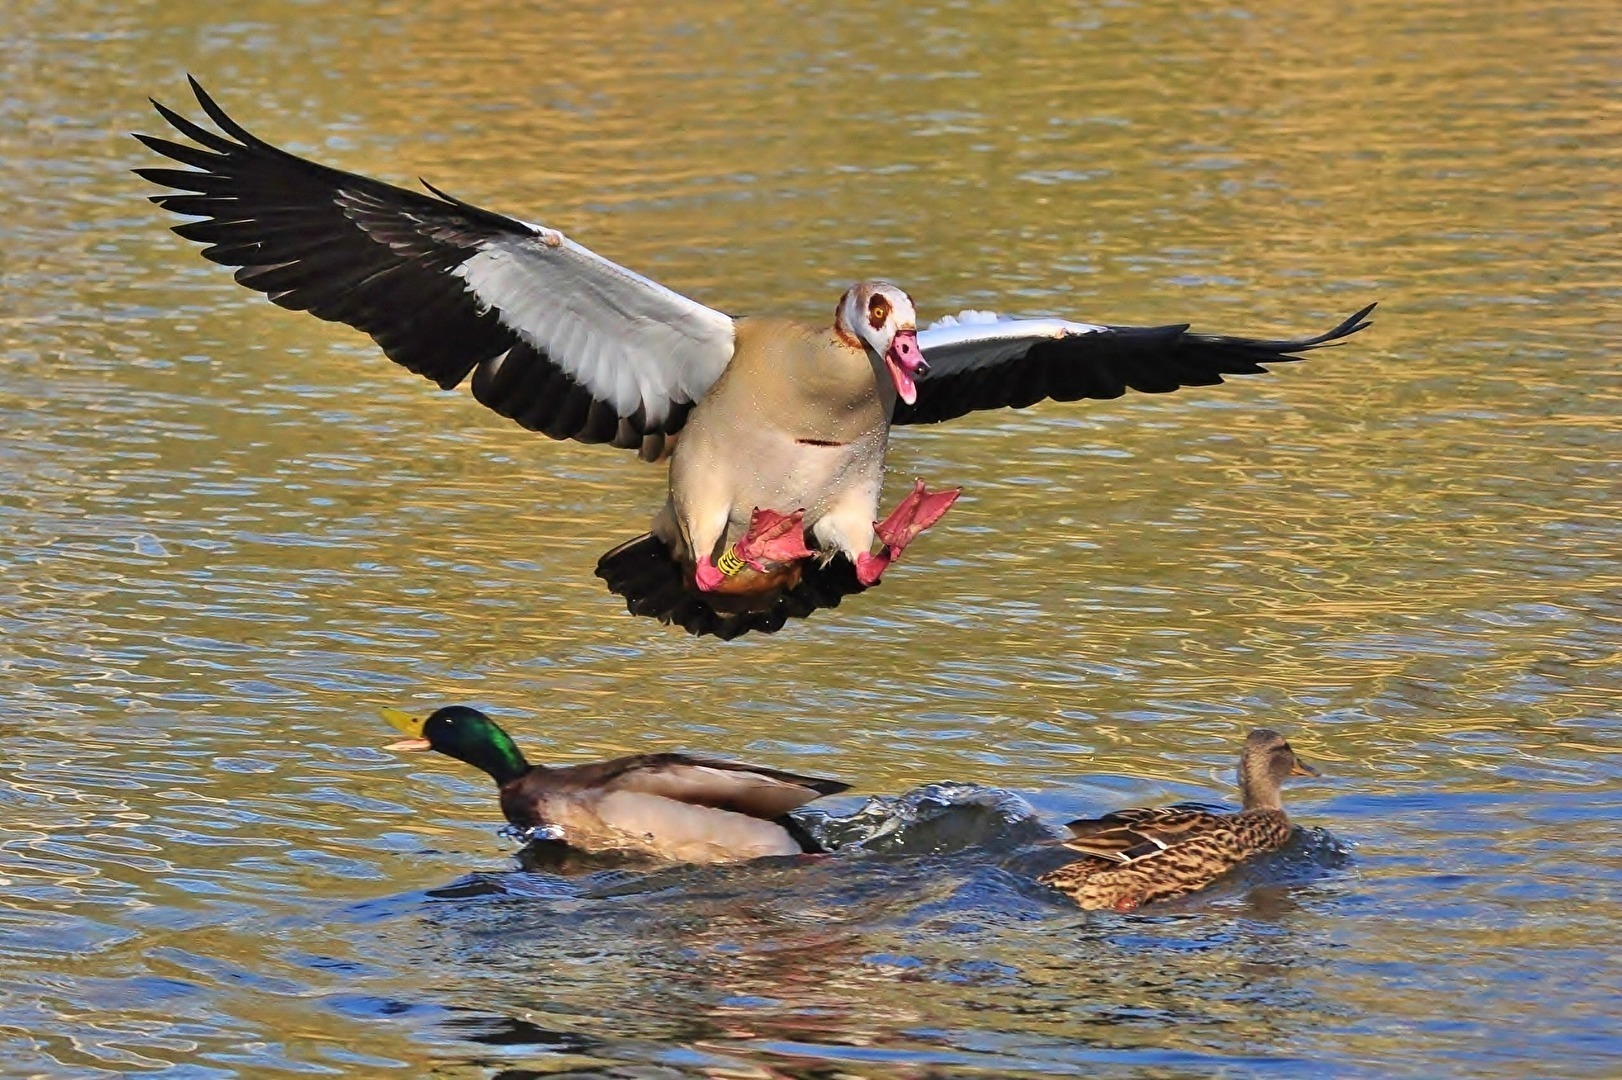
x=783, y=425
x=1144, y=854
x=673, y=806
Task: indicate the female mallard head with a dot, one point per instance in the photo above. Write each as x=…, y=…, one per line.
x=464, y=734
x=1263, y=766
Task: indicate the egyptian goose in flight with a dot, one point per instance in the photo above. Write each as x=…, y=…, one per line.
x=783, y=426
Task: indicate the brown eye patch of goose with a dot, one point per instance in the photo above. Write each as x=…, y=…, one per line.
x=878, y=311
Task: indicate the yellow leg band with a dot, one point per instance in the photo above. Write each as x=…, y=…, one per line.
x=730, y=562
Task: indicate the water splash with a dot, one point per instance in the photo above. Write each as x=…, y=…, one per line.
x=535, y=833
x=931, y=820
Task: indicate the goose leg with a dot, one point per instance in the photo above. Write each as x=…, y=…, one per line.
x=706, y=576
x=702, y=536
x=771, y=538
x=915, y=513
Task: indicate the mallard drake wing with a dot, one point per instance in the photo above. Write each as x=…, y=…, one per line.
x=556, y=337
x=980, y=360
x=710, y=782
x=674, y=806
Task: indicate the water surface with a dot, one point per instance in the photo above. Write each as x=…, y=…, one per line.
x=228, y=533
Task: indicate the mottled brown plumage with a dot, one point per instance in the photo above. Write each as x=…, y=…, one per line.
x=1138, y=856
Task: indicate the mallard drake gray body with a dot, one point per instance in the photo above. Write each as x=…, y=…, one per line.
x=673, y=806
x=776, y=417
x=1141, y=855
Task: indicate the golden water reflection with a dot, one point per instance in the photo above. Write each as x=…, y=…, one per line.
x=227, y=533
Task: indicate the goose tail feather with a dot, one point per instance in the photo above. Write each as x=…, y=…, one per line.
x=655, y=585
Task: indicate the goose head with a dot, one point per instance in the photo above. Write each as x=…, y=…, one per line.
x=881, y=317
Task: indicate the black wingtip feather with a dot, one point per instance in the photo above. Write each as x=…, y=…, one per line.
x=221, y=118
x=1350, y=325
x=194, y=131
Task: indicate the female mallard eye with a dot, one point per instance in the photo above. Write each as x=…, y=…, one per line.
x=878, y=311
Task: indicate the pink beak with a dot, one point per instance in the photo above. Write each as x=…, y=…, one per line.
x=906, y=363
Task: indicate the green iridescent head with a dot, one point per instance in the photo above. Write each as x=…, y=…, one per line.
x=464, y=734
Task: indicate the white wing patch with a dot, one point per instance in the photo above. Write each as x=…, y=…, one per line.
x=968, y=317
x=630, y=341
x=1160, y=845
x=979, y=339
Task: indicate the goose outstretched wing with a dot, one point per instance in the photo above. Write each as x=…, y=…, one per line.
x=556, y=337
x=978, y=360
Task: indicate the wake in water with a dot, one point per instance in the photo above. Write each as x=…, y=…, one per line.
x=947, y=829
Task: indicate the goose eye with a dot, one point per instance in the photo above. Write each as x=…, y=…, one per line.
x=878, y=311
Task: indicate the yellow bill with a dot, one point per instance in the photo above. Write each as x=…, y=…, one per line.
x=408, y=725
x=1301, y=768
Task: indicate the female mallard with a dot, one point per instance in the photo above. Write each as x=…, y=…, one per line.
x=672, y=806
x=1137, y=856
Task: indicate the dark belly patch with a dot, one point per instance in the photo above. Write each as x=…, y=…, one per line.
x=820, y=442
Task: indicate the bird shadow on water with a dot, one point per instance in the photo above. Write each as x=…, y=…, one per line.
x=884, y=955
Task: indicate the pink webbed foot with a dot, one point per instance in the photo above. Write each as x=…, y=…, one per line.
x=915, y=513
x=869, y=568
x=706, y=576
x=772, y=541
x=773, y=538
